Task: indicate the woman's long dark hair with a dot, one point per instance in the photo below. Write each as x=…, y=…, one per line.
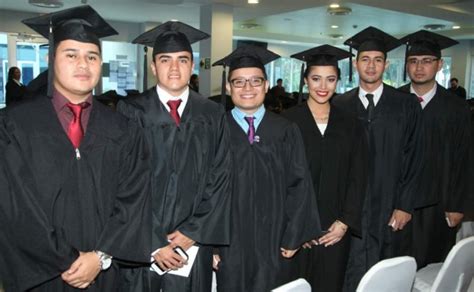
x=11, y=71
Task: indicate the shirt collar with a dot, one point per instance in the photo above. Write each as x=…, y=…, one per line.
x=164, y=97
x=59, y=101
x=240, y=117
x=427, y=97
x=377, y=94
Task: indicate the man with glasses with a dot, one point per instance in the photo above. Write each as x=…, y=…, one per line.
x=189, y=141
x=442, y=188
x=392, y=121
x=273, y=204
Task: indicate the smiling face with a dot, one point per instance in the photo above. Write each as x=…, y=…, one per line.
x=321, y=82
x=173, y=71
x=77, y=68
x=247, y=98
x=423, y=69
x=370, y=65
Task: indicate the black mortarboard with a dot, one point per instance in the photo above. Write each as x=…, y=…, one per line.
x=82, y=24
x=171, y=37
x=247, y=56
x=372, y=39
x=324, y=55
x=425, y=42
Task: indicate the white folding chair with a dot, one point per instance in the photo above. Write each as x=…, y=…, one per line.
x=454, y=275
x=299, y=285
x=390, y=275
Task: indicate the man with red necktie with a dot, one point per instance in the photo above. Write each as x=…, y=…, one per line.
x=443, y=188
x=74, y=195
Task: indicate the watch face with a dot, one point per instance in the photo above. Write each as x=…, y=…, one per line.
x=106, y=262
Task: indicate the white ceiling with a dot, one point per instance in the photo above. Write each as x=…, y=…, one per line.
x=295, y=21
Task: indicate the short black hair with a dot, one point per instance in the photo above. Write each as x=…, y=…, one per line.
x=454, y=79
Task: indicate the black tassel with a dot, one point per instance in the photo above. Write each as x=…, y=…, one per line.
x=223, y=95
x=405, y=64
x=300, y=93
x=145, y=68
x=52, y=47
x=350, y=65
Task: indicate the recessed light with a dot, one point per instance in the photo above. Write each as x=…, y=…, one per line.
x=334, y=5
x=334, y=26
x=252, y=1
x=284, y=42
x=47, y=3
x=434, y=26
x=456, y=27
x=340, y=10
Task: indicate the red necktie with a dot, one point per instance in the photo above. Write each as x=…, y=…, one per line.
x=75, y=131
x=174, y=104
x=420, y=99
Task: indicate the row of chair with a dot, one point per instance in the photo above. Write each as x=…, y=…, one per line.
x=400, y=275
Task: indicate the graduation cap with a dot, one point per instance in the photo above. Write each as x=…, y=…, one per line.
x=247, y=56
x=171, y=37
x=82, y=24
x=371, y=39
x=424, y=42
x=324, y=55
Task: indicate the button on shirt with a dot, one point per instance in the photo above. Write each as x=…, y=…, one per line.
x=427, y=97
x=377, y=94
x=239, y=117
x=164, y=97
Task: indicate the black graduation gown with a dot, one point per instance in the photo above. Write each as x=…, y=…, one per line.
x=53, y=205
x=395, y=155
x=273, y=206
x=14, y=92
x=338, y=164
x=444, y=180
x=190, y=182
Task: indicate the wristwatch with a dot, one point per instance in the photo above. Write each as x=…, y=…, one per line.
x=105, y=260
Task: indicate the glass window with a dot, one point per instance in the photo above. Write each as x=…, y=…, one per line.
x=3, y=67
x=119, y=71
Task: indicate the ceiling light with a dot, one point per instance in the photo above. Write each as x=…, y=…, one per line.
x=335, y=36
x=434, y=26
x=252, y=1
x=249, y=25
x=47, y=3
x=334, y=26
x=456, y=27
x=284, y=42
x=334, y=5
x=339, y=11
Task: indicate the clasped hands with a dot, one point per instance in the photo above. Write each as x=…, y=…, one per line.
x=167, y=258
x=83, y=270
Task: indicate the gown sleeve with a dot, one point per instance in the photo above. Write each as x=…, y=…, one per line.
x=127, y=233
x=357, y=182
x=302, y=214
x=32, y=250
x=210, y=222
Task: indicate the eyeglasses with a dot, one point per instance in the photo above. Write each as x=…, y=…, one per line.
x=254, y=82
x=424, y=61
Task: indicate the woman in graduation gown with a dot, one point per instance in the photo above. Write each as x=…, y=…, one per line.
x=336, y=151
x=272, y=197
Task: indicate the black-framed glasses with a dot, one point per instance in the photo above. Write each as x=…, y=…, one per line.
x=424, y=61
x=253, y=81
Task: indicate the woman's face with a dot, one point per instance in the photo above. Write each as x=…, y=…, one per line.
x=321, y=82
x=17, y=74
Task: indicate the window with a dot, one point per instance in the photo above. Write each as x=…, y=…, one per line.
x=119, y=70
x=3, y=67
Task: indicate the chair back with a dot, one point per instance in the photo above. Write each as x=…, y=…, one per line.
x=457, y=271
x=390, y=275
x=299, y=285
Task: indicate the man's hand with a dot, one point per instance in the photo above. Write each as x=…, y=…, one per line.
x=83, y=271
x=399, y=219
x=168, y=259
x=453, y=218
x=286, y=253
x=216, y=259
x=336, y=232
x=178, y=239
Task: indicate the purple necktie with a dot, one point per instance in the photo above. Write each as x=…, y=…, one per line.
x=251, y=132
